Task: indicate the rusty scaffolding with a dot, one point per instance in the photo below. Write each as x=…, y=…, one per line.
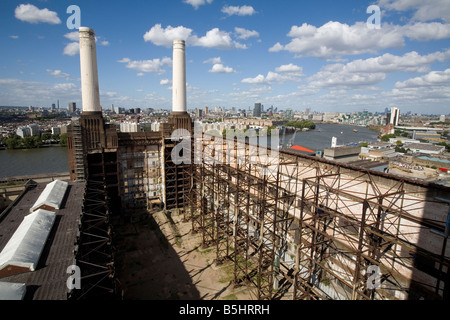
x=94, y=253
x=302, y=227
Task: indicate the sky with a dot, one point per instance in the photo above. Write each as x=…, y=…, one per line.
x=328, y=56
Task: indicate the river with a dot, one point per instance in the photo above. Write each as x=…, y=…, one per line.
x=15, y=163
x=320, y=138
x=55, y=159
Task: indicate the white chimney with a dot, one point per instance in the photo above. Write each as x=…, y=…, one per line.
x=89, y=73
x=179, y=77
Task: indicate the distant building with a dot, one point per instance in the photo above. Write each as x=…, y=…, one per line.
x=426, y=148
x=119, y=110
x=394, y=116
x=289, y=114
x=257, y=110
x=342, y=154
x=23, y=132
x=56, y=130
x=72, y=107
x=442, y=118
x=130, y=127
x=63, y=129
x=198, y=113
x=34, y=129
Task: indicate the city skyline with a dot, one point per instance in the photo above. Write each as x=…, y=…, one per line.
x=323, y=55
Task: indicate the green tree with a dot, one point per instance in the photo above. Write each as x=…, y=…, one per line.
x=13, y=142
x=386, y=137
x=32, y=142
x=46, y=136
x=63, y=140
x=301, y=124
x=364, y=144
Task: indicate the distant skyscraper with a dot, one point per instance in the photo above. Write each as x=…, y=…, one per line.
x=34, y=129
x=72, y=107
x=257, y=110
x=394, y=116
x=289, y=114
x=442, y=118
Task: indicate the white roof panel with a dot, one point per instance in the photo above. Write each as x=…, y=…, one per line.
x=25, y=246
x=52, y=195
x=12, y=291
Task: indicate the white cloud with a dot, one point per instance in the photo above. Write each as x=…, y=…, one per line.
x=433, y=78
x=197, y=3
x=290, y=69
x=422, y=31
x=284, y=73
x=213, y=60
x=256, y=80
x=165, y=37
x=373, y=70
x=425, y=10
x=104, y=43
x=240, y=11
x=220, y=68
x=73, y=36
x=165, y=82
x=36, y=93
x=58, y=74
x=14, y=37
x=150, y=66
x=335, y=39
x=72, y=49
x=32, y=14
x=245, y=34
x=214, y=38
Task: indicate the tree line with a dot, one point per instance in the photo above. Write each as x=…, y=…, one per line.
x=301, y=124
x=17, y=142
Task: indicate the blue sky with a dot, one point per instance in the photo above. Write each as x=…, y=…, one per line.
x=289, y=54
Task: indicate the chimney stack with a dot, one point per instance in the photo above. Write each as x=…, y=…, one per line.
x=89, y=73
x=179, y=77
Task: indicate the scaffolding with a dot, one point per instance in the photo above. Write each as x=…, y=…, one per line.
x=308, y=228
x=75, y=145
x=94, y=253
